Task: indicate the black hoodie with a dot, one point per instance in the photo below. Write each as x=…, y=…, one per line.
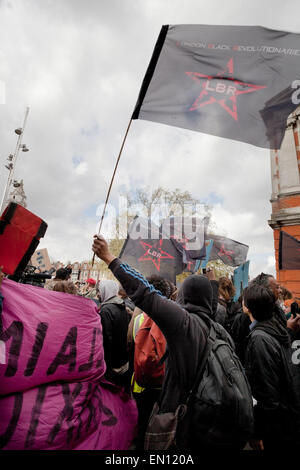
x=273, y=381
x=186, y=336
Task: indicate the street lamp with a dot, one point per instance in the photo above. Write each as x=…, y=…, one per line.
x=12, y=158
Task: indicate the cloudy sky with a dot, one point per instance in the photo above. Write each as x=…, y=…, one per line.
x=78, y=65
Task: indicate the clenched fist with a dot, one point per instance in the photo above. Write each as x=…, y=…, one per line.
x=100, y=248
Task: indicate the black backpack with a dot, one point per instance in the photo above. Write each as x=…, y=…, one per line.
x=220, y=406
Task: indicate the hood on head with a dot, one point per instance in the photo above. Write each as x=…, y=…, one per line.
x=197, y=291
x=107, y=290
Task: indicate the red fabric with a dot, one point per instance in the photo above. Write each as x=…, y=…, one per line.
x=150, y=346
x=18, y=234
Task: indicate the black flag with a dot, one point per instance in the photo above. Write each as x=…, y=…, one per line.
x=289, y=252
x=157, y=255
x=188, y=234
x=238, y=82
x=229, y=251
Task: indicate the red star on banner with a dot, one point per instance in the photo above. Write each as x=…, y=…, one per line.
x=224, y=252
x=227, y=86
x=154, y=253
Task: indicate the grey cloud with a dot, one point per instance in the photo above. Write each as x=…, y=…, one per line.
x=79, y=66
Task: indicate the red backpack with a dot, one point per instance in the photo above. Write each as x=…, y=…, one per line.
x=150, y=347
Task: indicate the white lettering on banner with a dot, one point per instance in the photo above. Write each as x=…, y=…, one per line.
x=154, y=253
x=242, y=48
x=221, y=88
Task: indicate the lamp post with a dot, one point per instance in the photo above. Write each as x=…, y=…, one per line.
x=12, y=159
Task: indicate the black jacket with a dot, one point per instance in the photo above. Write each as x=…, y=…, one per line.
x=232, y=309
x=221, y=316
x=240, y=334
x=186, y=335
x=114, y=319
x=273, y=381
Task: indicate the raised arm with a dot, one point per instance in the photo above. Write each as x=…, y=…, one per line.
x=168, y=315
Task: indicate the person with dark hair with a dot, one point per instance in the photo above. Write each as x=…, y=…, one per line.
x=271, y=374
x=62, y=274
x=174, y=291
x=232, y=308
x=292, y=324
x=161, y=285
x=240, y=331
x=128, y=302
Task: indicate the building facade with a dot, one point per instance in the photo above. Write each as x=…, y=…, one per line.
x=285, y=198
x=81, y=271
x=84, y=270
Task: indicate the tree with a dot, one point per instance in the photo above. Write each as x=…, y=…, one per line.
x=171, y=202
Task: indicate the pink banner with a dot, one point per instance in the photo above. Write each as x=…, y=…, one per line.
x=52, y=391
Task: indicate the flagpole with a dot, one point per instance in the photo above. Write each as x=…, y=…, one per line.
x=111, y=183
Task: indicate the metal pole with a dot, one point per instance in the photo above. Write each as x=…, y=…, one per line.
x=14, y=161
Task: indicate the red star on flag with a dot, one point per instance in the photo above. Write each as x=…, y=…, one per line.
x=224, y=252
x=222, y=84
x=154, y=253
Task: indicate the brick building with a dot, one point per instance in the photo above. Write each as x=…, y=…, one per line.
x=84, y=270
x=285, y=199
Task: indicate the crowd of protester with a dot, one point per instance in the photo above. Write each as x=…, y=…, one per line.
x=261, y=326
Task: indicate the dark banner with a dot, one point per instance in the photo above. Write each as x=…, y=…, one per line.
x=289, y=252
x=189, y=235
x=157, y=255
x=229, y=251
x=237, y=82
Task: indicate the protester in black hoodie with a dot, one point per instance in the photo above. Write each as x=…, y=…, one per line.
x=184, y=327
x=271, y=374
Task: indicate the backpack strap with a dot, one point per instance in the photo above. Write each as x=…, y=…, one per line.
x=210, y=340
x=163, y=358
